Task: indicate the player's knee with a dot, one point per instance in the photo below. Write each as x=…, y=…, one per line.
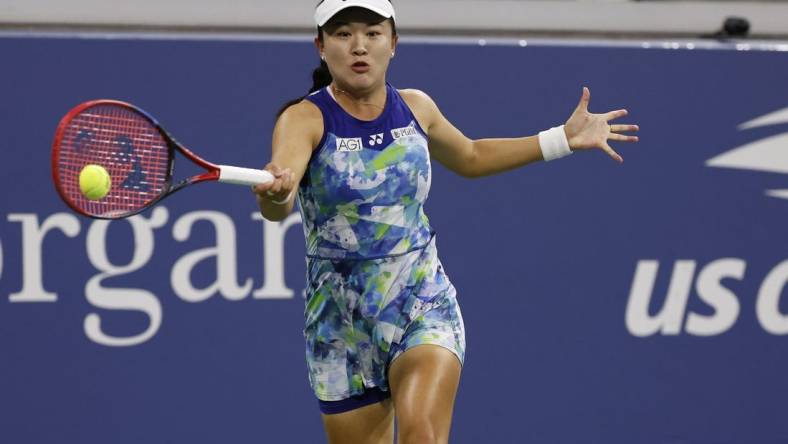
x=418, y=432
x=418, y=437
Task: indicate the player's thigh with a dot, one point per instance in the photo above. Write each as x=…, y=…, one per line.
x=371, y=424
x=423, y=383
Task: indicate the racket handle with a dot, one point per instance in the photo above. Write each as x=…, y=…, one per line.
x=243, y=176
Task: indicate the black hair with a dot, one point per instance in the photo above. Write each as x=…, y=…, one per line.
x=321, y=76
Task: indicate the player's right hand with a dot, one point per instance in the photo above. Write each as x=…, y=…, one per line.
x=280, y=190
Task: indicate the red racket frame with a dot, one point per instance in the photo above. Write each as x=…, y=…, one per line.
x=212, y=171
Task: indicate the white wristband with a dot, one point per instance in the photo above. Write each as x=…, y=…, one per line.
x=283, y=201
x=554, y=144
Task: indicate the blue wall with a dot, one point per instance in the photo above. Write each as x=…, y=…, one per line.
x=563, y=269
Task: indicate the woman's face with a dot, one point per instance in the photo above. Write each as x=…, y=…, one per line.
x=357, y=49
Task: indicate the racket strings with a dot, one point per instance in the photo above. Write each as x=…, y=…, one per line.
x=127, y=145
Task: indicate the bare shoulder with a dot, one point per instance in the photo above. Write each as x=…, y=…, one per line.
x=416, y=98
x=304, y=112
x=304, y=119
x=422, y=105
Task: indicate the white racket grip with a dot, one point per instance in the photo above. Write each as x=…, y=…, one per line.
x=243, y=176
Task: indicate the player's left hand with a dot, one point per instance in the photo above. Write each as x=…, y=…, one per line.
x=585, y=130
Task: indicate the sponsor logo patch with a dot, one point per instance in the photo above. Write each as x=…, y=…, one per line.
x=349, y=144
x=409, y=130
x=375, y=139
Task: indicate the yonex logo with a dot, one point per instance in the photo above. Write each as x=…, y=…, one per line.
x=375, y=139
x=768, y=155
x=349, y=144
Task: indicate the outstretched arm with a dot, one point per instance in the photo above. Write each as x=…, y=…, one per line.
x=296, y=133
x=483, y=157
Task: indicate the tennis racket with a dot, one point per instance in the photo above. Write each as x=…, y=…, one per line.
x=138, y=154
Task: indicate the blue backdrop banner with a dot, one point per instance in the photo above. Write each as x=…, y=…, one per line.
x=604, y=303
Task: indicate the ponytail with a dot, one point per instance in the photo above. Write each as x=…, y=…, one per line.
x=321, y=77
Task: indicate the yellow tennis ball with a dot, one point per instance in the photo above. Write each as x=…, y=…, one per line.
x=94, y=182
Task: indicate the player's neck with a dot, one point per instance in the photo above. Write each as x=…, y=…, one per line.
x=365, y=105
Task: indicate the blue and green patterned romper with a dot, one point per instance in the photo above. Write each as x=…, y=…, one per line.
x=375, y=286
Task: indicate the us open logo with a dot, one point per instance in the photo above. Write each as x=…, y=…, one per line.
x=768, y=155
x=713, y=282
x=350, y=144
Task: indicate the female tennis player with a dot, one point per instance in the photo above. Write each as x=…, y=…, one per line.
x=384, y=334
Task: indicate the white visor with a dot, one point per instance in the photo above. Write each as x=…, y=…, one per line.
x=330, y=8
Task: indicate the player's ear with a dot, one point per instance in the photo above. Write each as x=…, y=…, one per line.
x=319, y=46
x=394, y=40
